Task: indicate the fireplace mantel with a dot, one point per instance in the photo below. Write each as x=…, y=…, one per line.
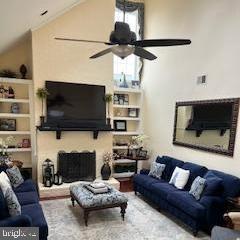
x=59, y=130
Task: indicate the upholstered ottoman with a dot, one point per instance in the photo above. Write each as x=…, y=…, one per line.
x=89, y=201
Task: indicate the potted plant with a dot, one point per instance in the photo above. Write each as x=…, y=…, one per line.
x=42, y=94
x=107, y=162
x=136, y=144
x=108, y=100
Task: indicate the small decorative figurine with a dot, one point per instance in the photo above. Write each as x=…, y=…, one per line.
x=15, y=108
x=23, y=71
x=10, y=93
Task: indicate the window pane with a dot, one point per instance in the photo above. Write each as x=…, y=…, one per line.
x=128, y=66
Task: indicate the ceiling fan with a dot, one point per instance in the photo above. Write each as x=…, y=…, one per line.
x=123, y=42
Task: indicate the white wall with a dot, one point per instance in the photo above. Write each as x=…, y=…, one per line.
x=69, y=62
x=213, y=27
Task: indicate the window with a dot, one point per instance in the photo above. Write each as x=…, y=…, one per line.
x=130, y=65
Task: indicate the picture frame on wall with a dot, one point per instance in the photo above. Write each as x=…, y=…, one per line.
x=120, y=125
x=8, y=124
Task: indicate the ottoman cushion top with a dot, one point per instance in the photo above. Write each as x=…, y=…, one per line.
x=87, y=199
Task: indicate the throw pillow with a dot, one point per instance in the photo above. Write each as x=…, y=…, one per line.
x=14, y=207
x=15, y=176
x=179, y=177
x=197, y=187
x=157, y=170
x=4, y=182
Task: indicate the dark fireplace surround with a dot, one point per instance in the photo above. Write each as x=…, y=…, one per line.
x=77, y=166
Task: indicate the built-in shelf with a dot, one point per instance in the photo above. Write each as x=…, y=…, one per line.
x=12, y=150
x=14, y=115
x=127, y=118
x=126, y=106
x=15, y=132
x=123, y=161
x=15, y=80
x=127, y=90
x=125, y=133
x=24, y=94
x=59, y=131
x=14, y=100
x=123, y=174
x=120, y=147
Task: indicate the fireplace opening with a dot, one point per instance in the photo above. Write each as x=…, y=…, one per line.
x=77, y=166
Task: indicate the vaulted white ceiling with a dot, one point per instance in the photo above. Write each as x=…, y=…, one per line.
x=17, y=17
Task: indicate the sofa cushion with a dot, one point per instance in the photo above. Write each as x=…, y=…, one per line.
x=187, y=203
x=195, y=171
x=171, y=164
x=231, y=184
x=144, y=180
x=3, y=207
x=25, y=198
x=26, y=186
x=34, y=211
x=213, y=185
x=162, y=189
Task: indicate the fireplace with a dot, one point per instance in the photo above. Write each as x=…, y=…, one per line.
x=77, y=166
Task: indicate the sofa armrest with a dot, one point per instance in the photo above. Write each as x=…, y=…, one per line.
x=17, y=221
x=215, y=208
x=144, y=171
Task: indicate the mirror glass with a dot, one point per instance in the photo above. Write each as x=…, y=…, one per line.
x=207, y=125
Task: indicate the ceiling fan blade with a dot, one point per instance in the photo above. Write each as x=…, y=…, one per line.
x=140, y=52
x=81, y=40
x=99, y=54
x=161, y=42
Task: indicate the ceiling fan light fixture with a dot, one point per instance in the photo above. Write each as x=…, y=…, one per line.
x=123, y=51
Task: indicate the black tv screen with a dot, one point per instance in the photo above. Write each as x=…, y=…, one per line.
x=75, y=105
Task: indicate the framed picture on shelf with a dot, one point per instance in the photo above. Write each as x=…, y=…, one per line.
x=136, y=84
x=120, y=125
x=7, y=124
x=142, y=153
x=115, y=99
x=26, y=143
x=132, y=112
x=126, y=99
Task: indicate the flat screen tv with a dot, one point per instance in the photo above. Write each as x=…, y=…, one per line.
x=75, y=105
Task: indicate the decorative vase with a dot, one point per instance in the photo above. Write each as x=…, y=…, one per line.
x=42, y=120
x=105, y=171
x=23, y=71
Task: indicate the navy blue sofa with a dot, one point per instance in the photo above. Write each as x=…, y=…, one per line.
x=32, y=214
x=198, y=215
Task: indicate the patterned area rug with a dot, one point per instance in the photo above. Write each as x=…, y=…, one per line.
x=142, y=222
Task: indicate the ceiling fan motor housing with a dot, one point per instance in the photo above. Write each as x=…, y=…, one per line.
x=122, y=34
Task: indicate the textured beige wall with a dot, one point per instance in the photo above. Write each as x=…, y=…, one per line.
x=20, y=54
x=69, y=62
x=215, y=51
